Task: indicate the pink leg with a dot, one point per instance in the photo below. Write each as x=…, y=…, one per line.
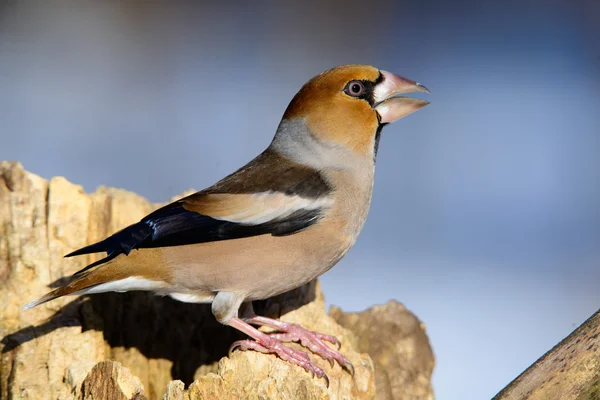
x=313, y=341
x=267, y=344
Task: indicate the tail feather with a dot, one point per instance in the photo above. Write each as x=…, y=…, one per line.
x=84, y=279
x=71, y=288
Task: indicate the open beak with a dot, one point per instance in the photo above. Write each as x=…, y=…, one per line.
x=389, y=103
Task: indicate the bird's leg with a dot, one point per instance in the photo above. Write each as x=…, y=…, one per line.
x=314, y=341
x=267, y=344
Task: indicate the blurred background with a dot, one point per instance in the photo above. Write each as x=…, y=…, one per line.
x=486, y=213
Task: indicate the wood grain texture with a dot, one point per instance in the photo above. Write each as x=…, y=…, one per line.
x=570, y=370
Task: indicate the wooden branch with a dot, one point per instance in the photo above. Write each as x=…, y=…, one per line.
x=570, y=370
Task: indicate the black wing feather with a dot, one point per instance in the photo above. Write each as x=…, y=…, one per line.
x=173, y=225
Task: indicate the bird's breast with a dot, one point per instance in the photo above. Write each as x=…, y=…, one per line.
x=353, y=191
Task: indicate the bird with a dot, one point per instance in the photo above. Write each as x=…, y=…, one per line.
x=275, y=224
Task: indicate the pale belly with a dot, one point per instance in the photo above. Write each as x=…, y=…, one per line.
x=257, y=267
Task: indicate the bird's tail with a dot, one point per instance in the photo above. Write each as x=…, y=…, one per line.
x=91, y=276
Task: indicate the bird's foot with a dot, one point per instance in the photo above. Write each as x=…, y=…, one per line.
x=269, y=344
x=314, y=341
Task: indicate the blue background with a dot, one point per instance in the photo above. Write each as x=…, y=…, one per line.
x=485, y=217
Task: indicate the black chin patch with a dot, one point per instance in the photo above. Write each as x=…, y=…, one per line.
x=377, y=138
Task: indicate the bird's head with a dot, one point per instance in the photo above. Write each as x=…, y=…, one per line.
x=346, y=107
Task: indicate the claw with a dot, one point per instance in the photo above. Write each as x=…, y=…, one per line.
x=326, y=380
x=233, y=346
x=349, y=367
x=321, y=374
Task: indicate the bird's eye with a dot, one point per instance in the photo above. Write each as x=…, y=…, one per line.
x=355, y=88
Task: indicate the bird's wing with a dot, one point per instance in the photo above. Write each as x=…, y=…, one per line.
x=254, y=200
x=221, y=216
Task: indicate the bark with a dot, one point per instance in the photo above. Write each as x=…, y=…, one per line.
x=570, y=370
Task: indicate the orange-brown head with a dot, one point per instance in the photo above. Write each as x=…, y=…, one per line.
x=347, y=105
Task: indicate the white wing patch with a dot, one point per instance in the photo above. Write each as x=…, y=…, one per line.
x=268, y=206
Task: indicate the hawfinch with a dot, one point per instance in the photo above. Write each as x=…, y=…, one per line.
x=283, y=219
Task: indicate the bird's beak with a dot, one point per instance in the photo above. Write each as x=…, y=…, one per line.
x=389, y=104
